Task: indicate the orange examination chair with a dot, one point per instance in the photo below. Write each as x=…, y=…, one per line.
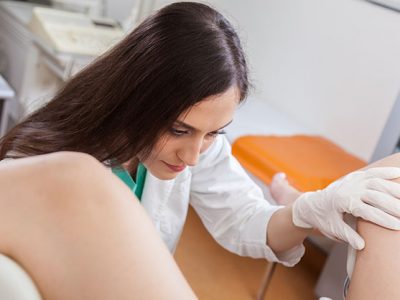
x=310, y=163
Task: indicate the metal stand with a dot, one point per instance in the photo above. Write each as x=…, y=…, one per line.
x=269, y=272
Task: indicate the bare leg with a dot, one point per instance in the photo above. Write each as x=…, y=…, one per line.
x=281, y=190
x=81, y=234
x=377, y=270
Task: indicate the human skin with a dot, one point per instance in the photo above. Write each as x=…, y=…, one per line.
x=81, y=234
x=206, y=119
x=181, y=146
x=66, y=212
x=376, y=272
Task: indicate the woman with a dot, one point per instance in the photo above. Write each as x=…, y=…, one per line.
x=153, y=108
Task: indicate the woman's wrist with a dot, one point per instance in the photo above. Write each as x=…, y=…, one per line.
x=282, y=234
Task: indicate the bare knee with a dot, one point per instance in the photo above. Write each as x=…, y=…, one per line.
x=381, y=256
x=62, y=191
x=53, y=172
x=53, y=164
x=389, y=161
x=54, y=175
x=66, y=165
x=82, y=176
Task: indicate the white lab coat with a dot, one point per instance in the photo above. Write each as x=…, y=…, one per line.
x=229, y=203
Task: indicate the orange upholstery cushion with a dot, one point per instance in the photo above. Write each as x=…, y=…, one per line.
x=310, y=162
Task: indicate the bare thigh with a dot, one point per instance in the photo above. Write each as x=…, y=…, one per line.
x=81, y=234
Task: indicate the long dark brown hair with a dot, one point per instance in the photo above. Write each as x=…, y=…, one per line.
x=122, y=103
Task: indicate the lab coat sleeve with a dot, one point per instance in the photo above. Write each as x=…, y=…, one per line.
x=232, y=207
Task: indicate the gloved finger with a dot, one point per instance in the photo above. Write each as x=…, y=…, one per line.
x=383, y=172
x=347, y=234
x=383, y=201
x=384, y=185
x=377, y=216
x=329, y=234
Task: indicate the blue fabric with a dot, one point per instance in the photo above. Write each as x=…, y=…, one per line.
x=135, y=187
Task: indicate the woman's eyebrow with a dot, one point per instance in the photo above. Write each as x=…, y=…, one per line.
x=187, y=126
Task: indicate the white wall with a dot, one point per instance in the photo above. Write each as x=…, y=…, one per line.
x=118, y=9
x=332, y=65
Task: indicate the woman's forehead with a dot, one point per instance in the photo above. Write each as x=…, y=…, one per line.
x=213, y=112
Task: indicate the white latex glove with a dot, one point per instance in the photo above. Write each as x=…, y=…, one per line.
x=367, y=194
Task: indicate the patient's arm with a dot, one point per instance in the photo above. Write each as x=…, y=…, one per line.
x=377, y=270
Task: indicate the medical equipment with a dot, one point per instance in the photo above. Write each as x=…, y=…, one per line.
x=74, y=33
x=310, y=162
x=93, y=8
x=15, y=282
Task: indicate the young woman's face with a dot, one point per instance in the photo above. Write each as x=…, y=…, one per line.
x=192, y=133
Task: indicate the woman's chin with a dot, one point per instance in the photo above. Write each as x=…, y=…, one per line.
x=164, y=175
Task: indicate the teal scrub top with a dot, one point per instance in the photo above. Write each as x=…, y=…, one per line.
x=135, y=187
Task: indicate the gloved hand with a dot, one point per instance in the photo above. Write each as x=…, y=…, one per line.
x=367, y=194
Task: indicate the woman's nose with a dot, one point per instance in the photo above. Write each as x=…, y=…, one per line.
x=190, y=152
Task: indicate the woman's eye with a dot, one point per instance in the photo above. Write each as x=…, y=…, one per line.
x=215, y=133
x=178, y=132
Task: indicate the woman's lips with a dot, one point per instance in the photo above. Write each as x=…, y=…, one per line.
x=175, y=168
